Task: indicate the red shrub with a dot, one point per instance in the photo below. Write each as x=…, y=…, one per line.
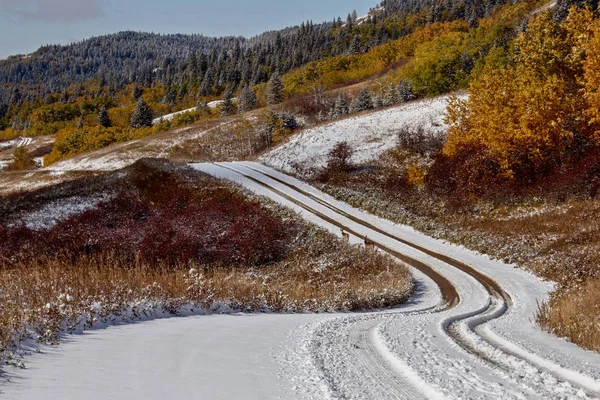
x=161, y=216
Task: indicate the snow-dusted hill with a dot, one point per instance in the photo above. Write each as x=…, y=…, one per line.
x=370, y=135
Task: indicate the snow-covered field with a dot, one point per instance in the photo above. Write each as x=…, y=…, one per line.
x=482, y=347
x=369, y=135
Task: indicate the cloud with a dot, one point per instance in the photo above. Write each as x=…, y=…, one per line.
x=51, y=10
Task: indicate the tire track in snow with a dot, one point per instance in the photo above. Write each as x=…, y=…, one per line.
x=463, y=329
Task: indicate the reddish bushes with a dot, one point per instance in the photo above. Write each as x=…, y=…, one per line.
x=166, y=216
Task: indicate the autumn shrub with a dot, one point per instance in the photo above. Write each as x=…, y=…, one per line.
x=419, y=140
x=159, y=218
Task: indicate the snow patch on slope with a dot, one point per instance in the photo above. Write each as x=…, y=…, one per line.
x=52, y=213
x=168, y=117
x=369, y=135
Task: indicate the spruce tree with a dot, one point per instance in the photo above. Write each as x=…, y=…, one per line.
x=65, y=97
x=378, y=101
x=561, y=10
x=142, y=116
x=364, y=100
x=391, y=96
x=405, y=91
x=227, y=106
x=275, y=89
x=169, y=97
x=341, y=107
x=81, y=122
x=247, y=100
x=104, y=119
x=356, y=45
x=207, y=84
x=353, y=106
x=137, y=93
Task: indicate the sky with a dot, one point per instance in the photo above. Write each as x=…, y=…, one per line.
x=25, y=25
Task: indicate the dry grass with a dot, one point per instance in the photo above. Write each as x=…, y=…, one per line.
x=556, y=237
x=242, y=139
x=155, y=246
x=42, y=298
x=575, y=315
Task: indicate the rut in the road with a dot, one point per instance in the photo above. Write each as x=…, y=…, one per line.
x=497, y=308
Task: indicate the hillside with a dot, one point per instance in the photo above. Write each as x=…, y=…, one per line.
x=398, y=205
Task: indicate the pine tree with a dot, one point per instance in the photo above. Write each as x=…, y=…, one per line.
x=364, y=100
x=391, y=96
x=142, y=116
x=275, y=90
x=104, y=119
x=81, y=122
x=356, y=45
x=341, y=107
x=405, y=91
x=227, y=106
x=247, y=100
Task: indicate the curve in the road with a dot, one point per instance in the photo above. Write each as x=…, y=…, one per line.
x=501, y=299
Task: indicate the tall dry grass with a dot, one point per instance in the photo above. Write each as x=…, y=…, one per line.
x=42, y=298
x=575, y=315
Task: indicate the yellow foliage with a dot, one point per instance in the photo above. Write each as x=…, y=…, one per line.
x=524, y=115
x=9, y=134
x=591, y=82
x=355, y=68
x=415, y=174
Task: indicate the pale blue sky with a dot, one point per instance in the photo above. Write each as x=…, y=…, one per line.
x=25, y=25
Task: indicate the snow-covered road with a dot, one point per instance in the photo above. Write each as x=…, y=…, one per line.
x=467, y=333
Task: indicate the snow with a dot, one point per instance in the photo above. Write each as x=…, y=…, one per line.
x=531, y=363
x=26, y=141
x=169, y=117
x=369, y=135
x=198, y=357
x=405, y=352
x=59, y=210
x=8, y=144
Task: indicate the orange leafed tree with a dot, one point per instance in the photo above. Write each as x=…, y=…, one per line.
x=525, y=116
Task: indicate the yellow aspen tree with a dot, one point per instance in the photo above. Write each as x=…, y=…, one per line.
x=591, y=81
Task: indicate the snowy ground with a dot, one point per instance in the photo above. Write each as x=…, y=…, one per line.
x=482, y=347
x=56, y=211
x=168, y=117
x=369, y=135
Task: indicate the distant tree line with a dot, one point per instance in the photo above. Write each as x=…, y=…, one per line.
x=207, y=66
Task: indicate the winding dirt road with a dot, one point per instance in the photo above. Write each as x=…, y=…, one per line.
x=467, y=333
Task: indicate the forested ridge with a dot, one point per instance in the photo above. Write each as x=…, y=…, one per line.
x=108, y=89
x=209, y=64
